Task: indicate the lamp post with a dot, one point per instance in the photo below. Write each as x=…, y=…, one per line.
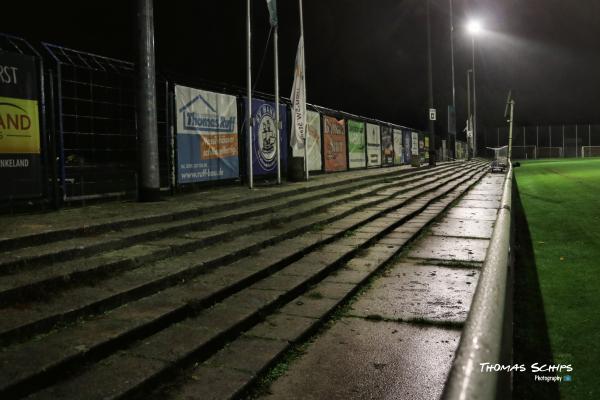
x=432, y=152
x=453, y=143
x=469, y=119
x=474, y=28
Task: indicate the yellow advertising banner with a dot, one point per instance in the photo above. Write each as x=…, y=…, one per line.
x=19, y=126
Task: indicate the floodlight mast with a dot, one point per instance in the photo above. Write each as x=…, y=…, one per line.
x=509, y=113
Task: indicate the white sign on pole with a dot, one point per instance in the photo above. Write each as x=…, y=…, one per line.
x=432, y=114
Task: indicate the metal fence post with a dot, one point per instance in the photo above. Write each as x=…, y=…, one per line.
x=576, y=143
x=563, y=140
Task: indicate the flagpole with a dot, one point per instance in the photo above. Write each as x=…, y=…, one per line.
x=249, y=104
x=277, y=123
x=304, y=84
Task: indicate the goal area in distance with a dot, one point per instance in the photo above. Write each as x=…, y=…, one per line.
x=549, y=152
x=524, y=152
x=590, y=151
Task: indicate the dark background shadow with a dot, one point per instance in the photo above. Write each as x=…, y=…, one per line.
x=531, y=343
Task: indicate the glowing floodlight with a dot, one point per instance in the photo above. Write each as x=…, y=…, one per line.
x=474, y=27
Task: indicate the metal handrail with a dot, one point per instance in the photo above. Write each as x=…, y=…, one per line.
x=482, y=336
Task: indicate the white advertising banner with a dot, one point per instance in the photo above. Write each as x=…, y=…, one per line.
x=373, y=145
x=398, y=151
x=207, y=135
x=415, y=144
x=313, y=124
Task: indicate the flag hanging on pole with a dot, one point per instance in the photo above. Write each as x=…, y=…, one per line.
x=272, y=5
x=298, y=98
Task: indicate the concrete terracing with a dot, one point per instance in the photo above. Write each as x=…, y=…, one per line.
x=397, y=339
x=198, y=296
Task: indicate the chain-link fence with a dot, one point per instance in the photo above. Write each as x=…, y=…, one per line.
x=94, y=102
x=548, y=141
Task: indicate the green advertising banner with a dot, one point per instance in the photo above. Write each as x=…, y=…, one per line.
x=373, y=145
x=356, y=144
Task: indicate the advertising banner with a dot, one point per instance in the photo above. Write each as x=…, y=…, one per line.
x=207, y=135
x=373, y=145
x=357, y=144
x=387, y=146
x=407, y=145
x=264, y=137
x=421, y=147
x=415, y=144
x=20, y=159
x=334, y=144
x=313, y=124
x=398, y=151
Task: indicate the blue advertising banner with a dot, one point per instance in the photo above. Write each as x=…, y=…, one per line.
x=207, y=135
x=264, y=160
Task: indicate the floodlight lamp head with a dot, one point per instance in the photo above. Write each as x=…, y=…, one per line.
x=474, y=27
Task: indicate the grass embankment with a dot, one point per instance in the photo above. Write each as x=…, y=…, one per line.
x=557, y=275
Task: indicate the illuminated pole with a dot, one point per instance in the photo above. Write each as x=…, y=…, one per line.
x=148, y=178
x=474, y=28
x=510, y=130
x=249, y=97
x=469, y=119
x=432, y=151
x=452, y=64
x=452, y=53
x=474, y=101
x=277, y=121
x=304, y=83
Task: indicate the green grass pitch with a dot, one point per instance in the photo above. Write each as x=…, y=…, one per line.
x=557, y=274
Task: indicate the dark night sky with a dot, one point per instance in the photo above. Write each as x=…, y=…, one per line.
x=364, y=57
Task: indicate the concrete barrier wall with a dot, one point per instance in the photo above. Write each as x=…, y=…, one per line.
x=487, y=334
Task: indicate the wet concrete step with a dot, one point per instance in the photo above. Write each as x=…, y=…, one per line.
x=23, y=320
x=171, y=297
x=232, y=371
x=48, y=253
x=398, y=338
x=215, y=201
x=160, y=356
x=38, y=283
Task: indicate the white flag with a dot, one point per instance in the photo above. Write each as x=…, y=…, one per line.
x=298, y=98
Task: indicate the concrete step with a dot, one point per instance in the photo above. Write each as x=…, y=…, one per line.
x=11, y=240
x=24, y=320
x=28, y=285
x=136, y=370
x=120, y=237
x=98, y=337
x=233, y=371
